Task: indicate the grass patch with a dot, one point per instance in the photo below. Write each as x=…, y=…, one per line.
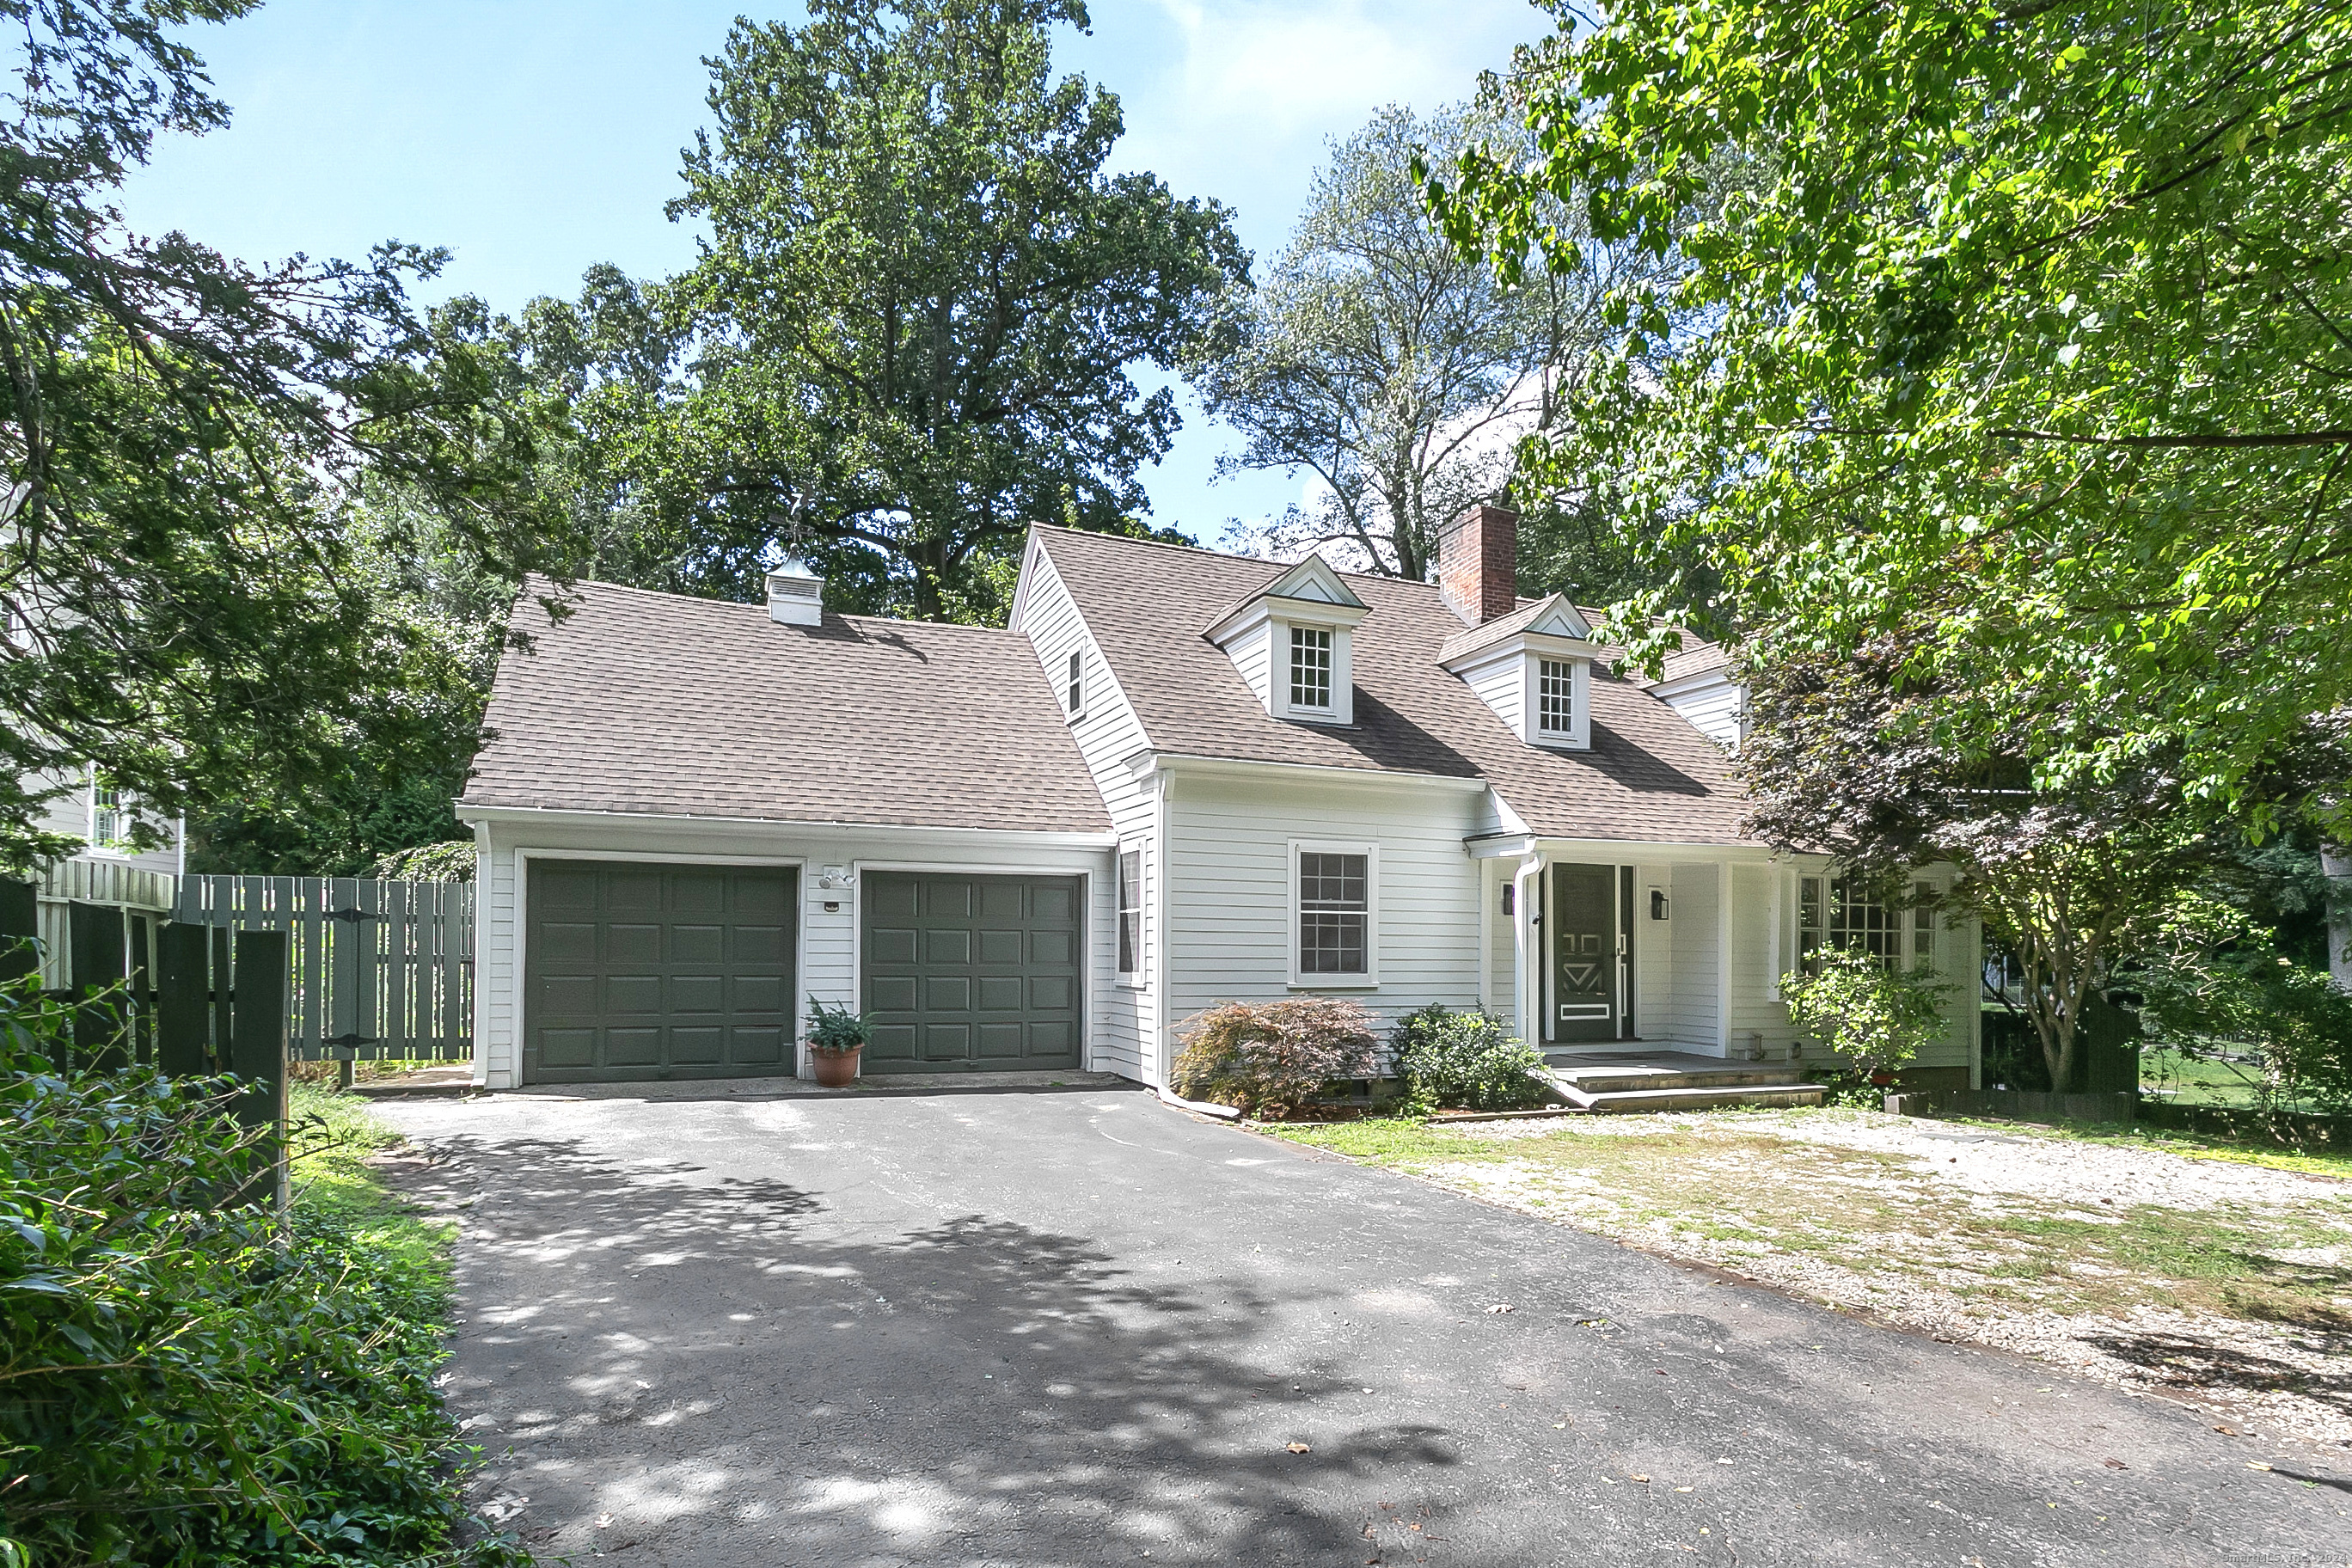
x=1878, y=1215
x=334, y=1187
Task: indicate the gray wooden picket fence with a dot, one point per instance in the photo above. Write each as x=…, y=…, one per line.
x=381, y=971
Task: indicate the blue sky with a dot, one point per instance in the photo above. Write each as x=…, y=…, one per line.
x=536, y=137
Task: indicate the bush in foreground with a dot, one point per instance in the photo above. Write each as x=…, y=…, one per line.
x=1270, y=1058
x=1469, y=1061
x=182, y=1382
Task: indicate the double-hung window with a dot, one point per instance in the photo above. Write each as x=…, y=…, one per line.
x=109, y=823
x=1844, y=913
x=1554, y=697
x=1923, y=926
x=1310, y=668
x=1130, y=911
x=1334, y=915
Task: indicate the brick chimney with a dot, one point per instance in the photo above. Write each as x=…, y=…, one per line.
x=1478, y=565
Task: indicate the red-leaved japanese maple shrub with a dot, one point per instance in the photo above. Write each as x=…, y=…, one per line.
x=1269, y=1058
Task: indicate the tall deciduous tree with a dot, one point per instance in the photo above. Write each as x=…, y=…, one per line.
x=2035, y=332
x=176, y=429
x=921, y=294
x=1379, y=358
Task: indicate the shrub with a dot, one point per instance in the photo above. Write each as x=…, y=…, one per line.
x=188, y=1383
x=1269, y=1058
x=1469, y=1060
x=2291, y=1014
x=1875, y=1018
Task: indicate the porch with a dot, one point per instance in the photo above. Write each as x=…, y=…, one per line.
x=1635, y=1080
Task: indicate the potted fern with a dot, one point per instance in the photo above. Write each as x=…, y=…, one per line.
x=835, y=1036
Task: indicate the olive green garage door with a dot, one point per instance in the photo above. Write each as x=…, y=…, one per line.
x=657, y=972
x=970, y=974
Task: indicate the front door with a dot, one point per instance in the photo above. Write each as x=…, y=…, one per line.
x=1584, y=953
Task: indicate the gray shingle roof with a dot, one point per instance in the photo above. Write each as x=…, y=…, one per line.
x=1693, y=657
x=654, y=703
x=1649, y=777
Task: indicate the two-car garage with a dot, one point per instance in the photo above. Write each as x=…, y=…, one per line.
x=648, y=971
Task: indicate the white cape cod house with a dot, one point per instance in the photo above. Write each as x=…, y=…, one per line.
x=1179, y=778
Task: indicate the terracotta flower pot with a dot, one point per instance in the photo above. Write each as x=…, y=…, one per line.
x=836, y=1070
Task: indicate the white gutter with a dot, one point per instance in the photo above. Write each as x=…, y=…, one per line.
x=1191, y=766
x=559, y=817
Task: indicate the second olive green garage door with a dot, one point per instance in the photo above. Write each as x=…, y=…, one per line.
x=970, y=974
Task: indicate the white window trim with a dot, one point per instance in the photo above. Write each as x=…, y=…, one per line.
x=1369, y=980
x=1074, y=684
x=1132, y=979
x=1330, y=706
x=1578, y=736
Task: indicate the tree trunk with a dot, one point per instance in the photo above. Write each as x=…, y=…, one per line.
x=2336, y=863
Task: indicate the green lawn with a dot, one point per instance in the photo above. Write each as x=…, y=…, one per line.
x=334, y=1135
x=2188, y=1080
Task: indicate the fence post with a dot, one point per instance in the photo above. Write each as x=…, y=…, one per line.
x=94, y=935
x=20, y=929
x=258, y=1043
x=183, y=1001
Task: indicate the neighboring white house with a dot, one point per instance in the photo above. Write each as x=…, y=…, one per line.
x=106, y=871
x=1179, y=778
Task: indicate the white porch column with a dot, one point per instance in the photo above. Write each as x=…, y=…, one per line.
x=1526, y=952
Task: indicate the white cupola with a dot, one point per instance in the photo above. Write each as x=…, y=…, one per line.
x=796, y=594
x=1292, y=641
x=1534, y=669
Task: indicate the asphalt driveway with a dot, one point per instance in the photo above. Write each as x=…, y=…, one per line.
x=1081, y=1327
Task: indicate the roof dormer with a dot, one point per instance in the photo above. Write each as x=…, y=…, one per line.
x=1293, y=642
x=1534, y=669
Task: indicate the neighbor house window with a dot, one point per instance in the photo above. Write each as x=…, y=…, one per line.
x=1130, y=911
x=109, y=824
x=1555, y=685
x=1077, y=686
x=1310, y=668
x=1334, y=913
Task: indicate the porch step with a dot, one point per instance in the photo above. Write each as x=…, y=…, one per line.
x=1621, y=1089
x=1655, y=1100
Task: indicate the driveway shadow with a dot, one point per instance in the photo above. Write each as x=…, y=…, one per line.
x=723, y=1371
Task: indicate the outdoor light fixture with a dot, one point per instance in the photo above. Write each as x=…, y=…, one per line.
x=1657, y=903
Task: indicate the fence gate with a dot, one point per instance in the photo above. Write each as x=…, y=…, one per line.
x=380, y=970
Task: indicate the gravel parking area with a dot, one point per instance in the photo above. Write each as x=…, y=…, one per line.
x=2228, y=1285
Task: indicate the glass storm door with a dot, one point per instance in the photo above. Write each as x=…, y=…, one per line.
x=1584, y=952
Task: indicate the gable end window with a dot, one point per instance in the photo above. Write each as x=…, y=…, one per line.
x=1130, y=911
x=1554, y=697
x=1076, y=698
x=1334, y=914
x=1310, y=668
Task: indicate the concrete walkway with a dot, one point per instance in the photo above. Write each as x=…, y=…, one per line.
x=1078, y=1328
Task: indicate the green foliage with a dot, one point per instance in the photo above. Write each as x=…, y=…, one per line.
x=180, y=432
x=911, y=327
x=1379, y=358
x=2222, y=987
x=1874, y=1018
x=835, y=1030
x=182, y=1384
x=1270, y=1058
x=2029, y=331
x=1463, y=1061
x=452, y=861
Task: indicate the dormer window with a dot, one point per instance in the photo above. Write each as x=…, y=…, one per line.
x=1534, y=669
x=1291, y=641
x=1556, y=698
x=1310, y=668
